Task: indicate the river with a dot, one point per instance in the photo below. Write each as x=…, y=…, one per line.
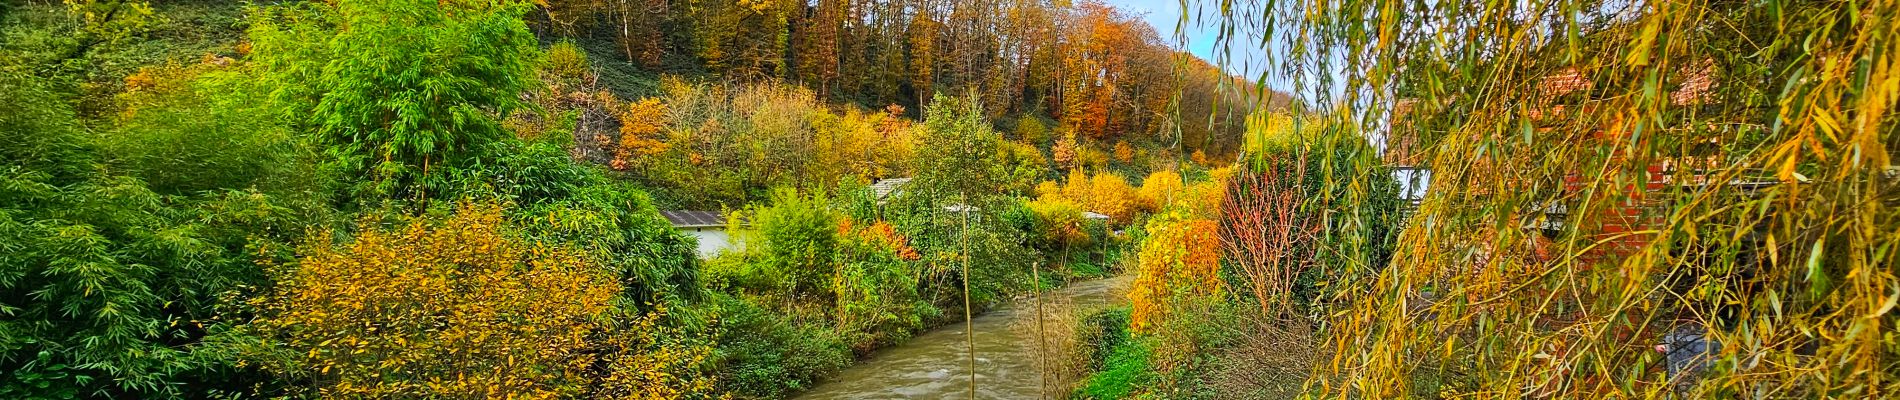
x=934, y=365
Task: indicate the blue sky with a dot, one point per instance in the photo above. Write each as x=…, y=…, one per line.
x=1199, y=33
x=1166, y=14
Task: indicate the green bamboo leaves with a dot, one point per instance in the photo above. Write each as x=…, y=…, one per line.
x=401, y=91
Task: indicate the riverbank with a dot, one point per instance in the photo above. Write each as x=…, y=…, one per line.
x=935, y=363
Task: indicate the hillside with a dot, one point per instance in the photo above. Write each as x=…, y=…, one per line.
x=209, y=199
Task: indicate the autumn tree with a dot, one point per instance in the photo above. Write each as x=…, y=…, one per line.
x=1064, y=151
x=641, y=126
x=1124, y=152
x=959, y=148
x=923, y=55
x=819, y=42
x=742, y=38
x=639, y=32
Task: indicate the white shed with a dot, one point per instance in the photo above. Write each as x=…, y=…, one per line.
x=707, y=226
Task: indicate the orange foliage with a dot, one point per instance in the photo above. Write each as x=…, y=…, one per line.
x=883, y=234
x=1179, y=261
x=887, y=234
x=1065, y=150
x=640, y=126
x=1095, y=67
x=1124, y=152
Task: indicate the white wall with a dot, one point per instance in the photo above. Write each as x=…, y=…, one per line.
x=712, y=240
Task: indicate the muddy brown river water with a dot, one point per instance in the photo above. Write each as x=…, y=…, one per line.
x=934, y=365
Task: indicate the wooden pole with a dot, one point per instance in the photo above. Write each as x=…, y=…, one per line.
x=1042, y=341
x=969, y=329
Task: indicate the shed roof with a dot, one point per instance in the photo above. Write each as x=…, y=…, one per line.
x=694, y=219
x=1093, y=215
x=885, y=188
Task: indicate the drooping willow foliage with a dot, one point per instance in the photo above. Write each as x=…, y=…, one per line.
x=1607, y=177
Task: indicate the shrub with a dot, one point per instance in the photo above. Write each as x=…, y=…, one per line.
x=1179, y=263
x=567, y=62
x=1030, y=129
x=642, y=126
x=876, y=288
x=1057, y=224
x=108, y=289
x=409, y=89
x=616, y=224
x=1018, y=167
x=764, y=355
x=1302, y=222
x=641, y=358
x=1160, y=190
x=1266, y=234
x=800, y=235
x=450, y=309
x=196, y=127
x=1103, y=192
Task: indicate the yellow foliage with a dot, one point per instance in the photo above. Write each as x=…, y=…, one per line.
x=1203, y=198
x=1124, y=152
x=1267, y=131
x=1061, y=219
x=641, y=124
x=1092, y=157
x=1220, y=175
x=860, y=144
x=1160, y=190
x=564, y=60
x=1104, y=193
x=1110, y=195
x=460, y=309
x=1179, y=260
x=1031, y=130
x=153, y=84
x=1048, y=189
x=641, y=366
